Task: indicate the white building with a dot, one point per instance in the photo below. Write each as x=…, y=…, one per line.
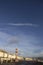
x=6, y=56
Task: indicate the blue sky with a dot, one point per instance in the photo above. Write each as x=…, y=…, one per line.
x=21, y=26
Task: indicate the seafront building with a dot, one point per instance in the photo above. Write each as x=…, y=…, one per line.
x=5, y=56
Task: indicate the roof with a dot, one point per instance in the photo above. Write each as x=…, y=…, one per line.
x=3, y=51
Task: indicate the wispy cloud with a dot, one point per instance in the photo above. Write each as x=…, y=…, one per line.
x=9, y=39
x=23, y=24
x=12, y=40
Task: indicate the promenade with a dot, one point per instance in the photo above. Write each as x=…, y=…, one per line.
x=22, y=63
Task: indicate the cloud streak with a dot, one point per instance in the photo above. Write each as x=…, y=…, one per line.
x=23, y=24
x=13, y=40
x=9, y=39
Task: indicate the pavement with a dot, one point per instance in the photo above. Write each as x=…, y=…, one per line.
x=23, y=63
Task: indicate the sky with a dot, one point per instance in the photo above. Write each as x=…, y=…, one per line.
x=21, y=26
